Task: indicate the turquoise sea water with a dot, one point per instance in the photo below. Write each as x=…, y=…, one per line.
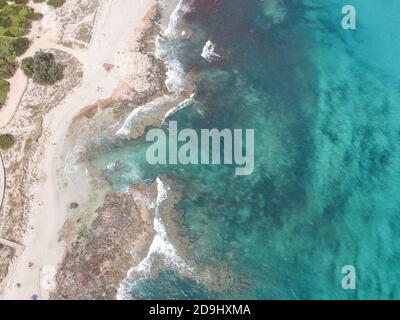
x=325, y=106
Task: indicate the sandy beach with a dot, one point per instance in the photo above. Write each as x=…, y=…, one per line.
x=113, y=24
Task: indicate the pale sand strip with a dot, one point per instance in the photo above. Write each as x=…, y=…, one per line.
x=115, y=26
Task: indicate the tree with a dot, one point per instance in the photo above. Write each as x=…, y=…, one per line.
x=4, y=88
x=27, y=66
x=6, y=141
x=21, y=1
x=7, y=68
x=20, y=45
x=5, y=22
x=55, y=3
x=15, y=22
x=43, y=68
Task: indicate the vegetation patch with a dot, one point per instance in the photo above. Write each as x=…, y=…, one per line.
x=43, y=68
x=4, y=88
x=6, y=141
x=56, y=3
x=15, y=22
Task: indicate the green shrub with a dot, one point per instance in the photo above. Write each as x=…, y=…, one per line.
x=15, y=22
x=55, y=3
x=20, y=16
x=7, y=68
x=4, y=88
x=9, y=49
x=6, y=141
x=21, y=1
x=43, y=68
x=46, y=70
x=20, y=45
x=27, y=66
x=5, y=22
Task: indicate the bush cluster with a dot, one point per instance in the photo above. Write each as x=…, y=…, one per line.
x=42, y=68
x=6, y=141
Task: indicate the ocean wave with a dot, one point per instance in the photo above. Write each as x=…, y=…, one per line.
x=140, y=113
x=175, y=75
x=161, y=246
x=161, y=243
x=182, y=8
x=165, y=49
x=181, y=106
x=75, y=167
x=175, y=78
x=209, y=53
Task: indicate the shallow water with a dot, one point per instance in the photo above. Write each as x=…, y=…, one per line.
x=325, y=106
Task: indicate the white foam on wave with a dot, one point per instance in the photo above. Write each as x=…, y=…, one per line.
x=161, y=243
x=74, y=169
x=209, y=53
x=111, y=166
x=160, y=246
x=181, y=106
x=72, y=159
x=175, y=75
x=140, y=113
x=166, y=52
x=182, y=8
